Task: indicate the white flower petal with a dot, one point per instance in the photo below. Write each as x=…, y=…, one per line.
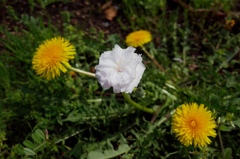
x=120, y=68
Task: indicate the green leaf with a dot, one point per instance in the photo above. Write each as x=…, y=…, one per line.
x=225, y=128
x=73, y=117
x=228, y=153
x=4, y=74
x=28, y=151
x=40, y=134
x=36, y=138
x=110, y=153
x=95, y=154
x=237, y=122
x=29, y=144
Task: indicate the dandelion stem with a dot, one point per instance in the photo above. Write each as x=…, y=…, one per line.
x=152, y=58
x=138, y=106
x=82, y=72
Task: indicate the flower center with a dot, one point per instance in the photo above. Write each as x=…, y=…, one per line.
x=193, y=124
x=119, y=68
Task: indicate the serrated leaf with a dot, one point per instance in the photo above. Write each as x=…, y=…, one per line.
x=29, y=144
x=28, y=151
x=110, y=153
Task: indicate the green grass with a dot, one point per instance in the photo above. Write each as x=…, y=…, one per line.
x=73, y=117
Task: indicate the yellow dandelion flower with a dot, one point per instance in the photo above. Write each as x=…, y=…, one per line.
x=138, y=38
x=52, y=57
x=193, y=124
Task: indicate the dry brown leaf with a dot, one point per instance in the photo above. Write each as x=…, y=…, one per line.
x=110, y=13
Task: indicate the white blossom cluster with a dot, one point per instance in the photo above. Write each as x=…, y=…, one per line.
x=120, y=68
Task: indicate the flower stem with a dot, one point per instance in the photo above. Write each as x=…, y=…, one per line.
x=82, y=72
x=138, y=106
x=221, y=143
x=152, y=58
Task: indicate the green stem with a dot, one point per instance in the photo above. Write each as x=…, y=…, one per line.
x=82, y=72
x=71, y=135
x=237, y=51
x=130, y=101
x=159, y=122
x=159, y=109
x=163, y=119
x=221, y=143
x=152, y=58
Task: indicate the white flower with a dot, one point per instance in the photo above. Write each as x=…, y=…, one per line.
x=120, y=68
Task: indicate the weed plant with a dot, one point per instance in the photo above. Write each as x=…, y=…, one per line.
x=73, y=117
